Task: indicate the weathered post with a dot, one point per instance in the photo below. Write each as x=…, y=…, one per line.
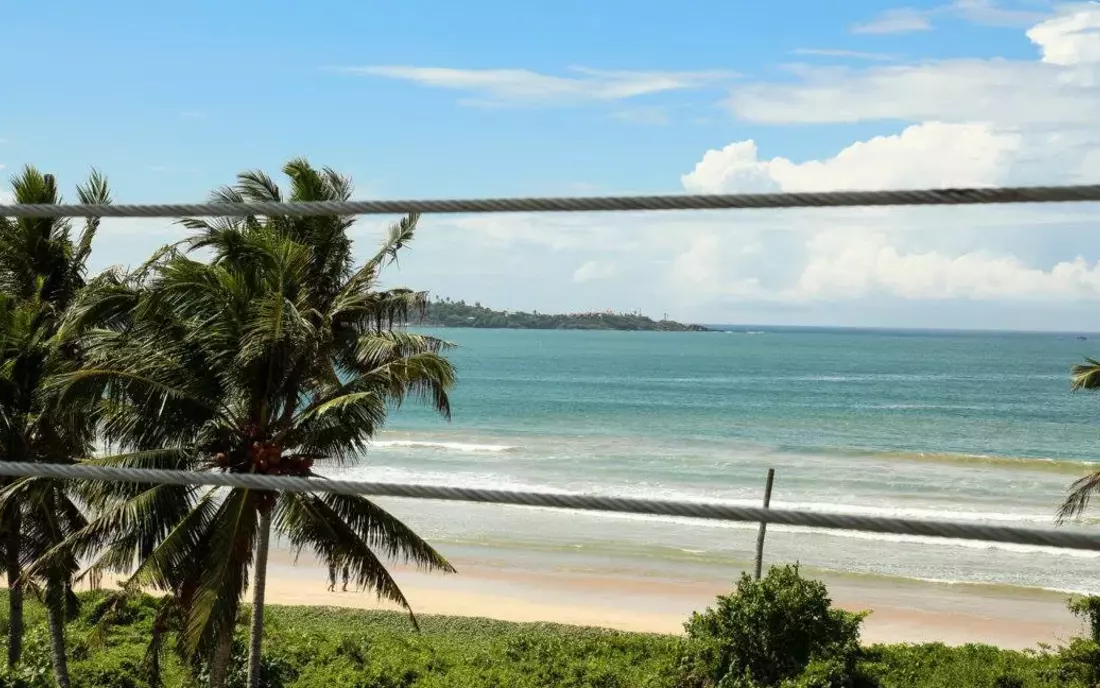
x=763, y=524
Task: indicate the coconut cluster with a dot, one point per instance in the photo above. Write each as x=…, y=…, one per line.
x=265, y=457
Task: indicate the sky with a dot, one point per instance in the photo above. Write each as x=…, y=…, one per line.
x=491, y=98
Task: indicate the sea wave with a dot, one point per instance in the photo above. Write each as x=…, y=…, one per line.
x=499, y=482
x=1027, y=462
x=445, y=446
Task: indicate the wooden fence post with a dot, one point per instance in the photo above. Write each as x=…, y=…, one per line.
x=763, y=525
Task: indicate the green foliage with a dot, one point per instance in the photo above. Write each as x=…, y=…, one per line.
x=935, y=664
x=447, y=313
x=315, y=647
x=35, y=669
x=275, y=670
x=42, y=272
x=1079, y=662
x=770, y=631
x=272, y=353
x=834, y=672
x=1088, y=609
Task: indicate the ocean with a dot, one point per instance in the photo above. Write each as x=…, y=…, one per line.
x=951, y=425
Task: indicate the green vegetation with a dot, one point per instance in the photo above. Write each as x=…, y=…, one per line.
x=42, y=273
x=272, y=352
x=770, y=632
x=759, y=630
x=447, y=313
x=1085, y=376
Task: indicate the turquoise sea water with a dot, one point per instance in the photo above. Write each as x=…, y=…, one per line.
x=978, y=426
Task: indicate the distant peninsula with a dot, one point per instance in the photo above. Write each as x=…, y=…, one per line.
x=448, y=313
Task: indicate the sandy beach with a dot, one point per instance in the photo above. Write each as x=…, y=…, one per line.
x=902, y=610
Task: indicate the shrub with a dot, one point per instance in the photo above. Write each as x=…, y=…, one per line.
x=770, y=631
x=825, y=673
x=35, y=671
x=1088, y=609
x=934, y=665
x=1080, y=660
x=1008, y=681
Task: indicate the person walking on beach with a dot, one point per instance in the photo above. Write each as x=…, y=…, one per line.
x=345, y=574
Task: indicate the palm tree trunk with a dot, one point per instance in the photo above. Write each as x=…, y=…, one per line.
x=263, y=539
x=15, y=590
x=55, y=619
x=220, y=662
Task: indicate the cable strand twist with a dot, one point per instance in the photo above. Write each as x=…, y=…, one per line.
x=586, y=502
x=829, y=199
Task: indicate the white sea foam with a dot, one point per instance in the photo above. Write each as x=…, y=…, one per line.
x=443, y=446
x=500, y=482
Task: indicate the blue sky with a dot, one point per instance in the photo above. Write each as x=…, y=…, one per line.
x=433, y=99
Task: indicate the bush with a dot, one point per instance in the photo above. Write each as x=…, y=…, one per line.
x=1080, y=660
x=932, y=665
x=1088, y=609
x=35, y=670
x=769, y=631
x=825, y=673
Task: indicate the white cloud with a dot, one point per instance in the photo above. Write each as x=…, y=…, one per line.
x=594, y=270
x=903, y=20
x=983, y=12
x=1061, y=88
x=933, y=154
x=1067, y=40
x=521, y=86
x=709, y=263
x=925, y=254
x=853, y=54
x=989, y=13
x=852, y=264
x=130, y=241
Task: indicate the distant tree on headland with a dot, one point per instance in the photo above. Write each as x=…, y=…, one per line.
x=444, y=312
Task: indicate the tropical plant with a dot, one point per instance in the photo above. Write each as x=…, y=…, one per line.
x=770, y=631
x=272, y=353
x=117, y=608
x=42, y=270
x=1085, y=376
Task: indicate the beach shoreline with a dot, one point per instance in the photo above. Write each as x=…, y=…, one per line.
x=902, y=611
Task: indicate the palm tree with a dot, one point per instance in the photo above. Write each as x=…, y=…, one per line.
x=1084, y=376
x=274, y=353
x=42, y=270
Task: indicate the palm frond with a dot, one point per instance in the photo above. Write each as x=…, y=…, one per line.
x=256, y=186
x=1080, y=494
x=180, y=549
x=1086, y=375
x=399, y=236
x=95, y=191
x=222, y=575
x=344, y=534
